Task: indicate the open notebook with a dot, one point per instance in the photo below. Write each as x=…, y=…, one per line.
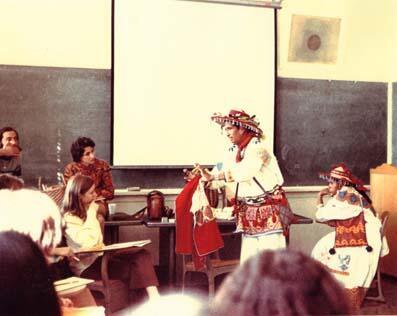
x=122, y=245
x=71, y=284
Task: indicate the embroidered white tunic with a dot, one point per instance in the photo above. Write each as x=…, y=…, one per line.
x=352, y=266
x=259, y=162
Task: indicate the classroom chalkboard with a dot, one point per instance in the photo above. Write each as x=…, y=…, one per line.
x=50, y=108
x=318, y=123
x=322, y=122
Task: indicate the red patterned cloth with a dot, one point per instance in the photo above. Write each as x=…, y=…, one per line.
x=198, y=239
x=351, y=232
x=99, y=172
x=264, y=216
x=244, y=143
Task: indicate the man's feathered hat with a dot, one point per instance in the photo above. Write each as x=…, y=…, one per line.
x=239, y=118
x=341, y=172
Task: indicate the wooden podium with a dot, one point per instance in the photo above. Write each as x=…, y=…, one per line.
x=383, y=180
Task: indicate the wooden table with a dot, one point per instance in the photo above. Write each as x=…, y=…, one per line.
x=170, y=227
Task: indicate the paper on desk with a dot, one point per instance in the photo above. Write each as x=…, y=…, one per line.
x=70, y=283
x=83, y=311
x=122, y=245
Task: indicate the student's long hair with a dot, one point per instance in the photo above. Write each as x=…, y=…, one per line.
x=280, y=283
x=77, y=186
x=26, y=287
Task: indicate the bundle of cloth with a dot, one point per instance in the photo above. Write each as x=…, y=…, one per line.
x=197, y=232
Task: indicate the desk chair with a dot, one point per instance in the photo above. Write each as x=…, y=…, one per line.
x=115, y=292
x=214, y=266
x=378, y=277
x=55, y=192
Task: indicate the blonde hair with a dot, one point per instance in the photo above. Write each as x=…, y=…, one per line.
x=31, y=213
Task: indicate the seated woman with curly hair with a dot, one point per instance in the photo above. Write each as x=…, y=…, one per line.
x=86, y=163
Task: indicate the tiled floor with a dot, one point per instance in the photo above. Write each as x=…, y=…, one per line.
x=198, y=284
x=389, y=285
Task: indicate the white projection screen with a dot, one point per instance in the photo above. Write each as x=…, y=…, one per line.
x=178, y=62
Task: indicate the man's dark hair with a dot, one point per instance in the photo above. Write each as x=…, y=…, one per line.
x=77, y=148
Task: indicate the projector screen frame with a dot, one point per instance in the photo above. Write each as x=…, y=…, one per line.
x=273, y=4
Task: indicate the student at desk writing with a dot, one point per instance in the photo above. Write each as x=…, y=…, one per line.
x=251, y=172
x=133, y=266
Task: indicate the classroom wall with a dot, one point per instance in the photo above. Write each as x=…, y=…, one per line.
x=393, y=41
x=62, y=33
x=55, y=79
x=393, y=84
x=75, y=34
x=365, y=49
x=365, y=54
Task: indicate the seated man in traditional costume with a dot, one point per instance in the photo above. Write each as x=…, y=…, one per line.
x=352, y=251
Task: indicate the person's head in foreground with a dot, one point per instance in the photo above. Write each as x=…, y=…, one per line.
x=238, y=126
x=171, y=304
x=32, y=213
x=26, y=288
x=280, y=282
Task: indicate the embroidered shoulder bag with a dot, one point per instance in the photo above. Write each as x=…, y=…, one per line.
x=264, y=214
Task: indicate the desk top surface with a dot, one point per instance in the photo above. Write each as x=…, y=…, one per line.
x=124, y=223
x=175, y=191
x=298, y=219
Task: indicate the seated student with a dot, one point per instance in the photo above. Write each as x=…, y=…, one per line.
x=85, y=163
x=14, y=183
x=10, y=152
x=83, y=230
x=26, y=288
x=281, y=282
x=35, y=214
x=350, y=253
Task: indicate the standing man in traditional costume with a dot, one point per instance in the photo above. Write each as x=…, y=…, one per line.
x=251, y=175
x=352, y=251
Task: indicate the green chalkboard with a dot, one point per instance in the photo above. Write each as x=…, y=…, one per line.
x=50, y=107
x=321, y=122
